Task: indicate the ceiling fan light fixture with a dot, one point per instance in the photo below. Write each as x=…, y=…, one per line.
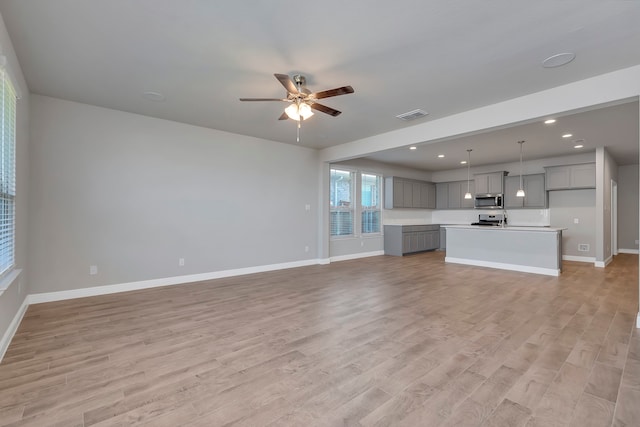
x=295, y=112
x=305, y=111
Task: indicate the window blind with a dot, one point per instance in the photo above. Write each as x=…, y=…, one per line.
x=341, y=202
x=370, y=199
x=7, y=172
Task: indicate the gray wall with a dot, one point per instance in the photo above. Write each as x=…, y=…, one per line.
x=133, y=194
x=606, y=171
x=13, y=297
x=564, y=206
x=628, y=207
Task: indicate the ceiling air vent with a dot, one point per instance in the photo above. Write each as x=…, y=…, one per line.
x=412, y=115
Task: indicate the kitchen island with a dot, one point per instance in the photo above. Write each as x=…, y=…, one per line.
x=528, y=249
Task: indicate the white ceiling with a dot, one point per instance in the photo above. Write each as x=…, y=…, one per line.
x=615, y=127
x=444, y=57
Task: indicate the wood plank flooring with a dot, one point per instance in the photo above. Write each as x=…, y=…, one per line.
x=382, y=341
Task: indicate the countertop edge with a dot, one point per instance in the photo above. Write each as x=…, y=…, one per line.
x=507, y=228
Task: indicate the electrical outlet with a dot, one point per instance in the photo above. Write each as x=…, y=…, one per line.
x=362, y=243
x=93, y=270
x=306, y=248
x=307, y=207
x=576, y=220
x=583, y=247
x=181, y=262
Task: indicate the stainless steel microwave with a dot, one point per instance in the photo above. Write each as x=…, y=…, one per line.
x=489, y=201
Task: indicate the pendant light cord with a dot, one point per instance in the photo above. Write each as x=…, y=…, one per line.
x=469, y=171
x=520, y=142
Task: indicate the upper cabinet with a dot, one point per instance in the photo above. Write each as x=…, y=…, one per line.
x=490, y=183
x=535, y=195
x=409, y=193
x=450, y=195
x=571, y=176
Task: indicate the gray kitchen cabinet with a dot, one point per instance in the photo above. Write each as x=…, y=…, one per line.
x=535, y=195
x=409, y=193
x=571, y=176
x=443, y=238
x=450, y=195
x=455, y=195
x=393, y=193
x=404, y=239
x=489, y=183
x=442, y=195
x=427, y=195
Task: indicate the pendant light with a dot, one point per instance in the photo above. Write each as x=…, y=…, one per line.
x=520, y=192
x=467, y=195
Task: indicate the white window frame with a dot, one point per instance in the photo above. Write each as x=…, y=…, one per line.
x=376, y=208
x=8, y=111
x=334, y=205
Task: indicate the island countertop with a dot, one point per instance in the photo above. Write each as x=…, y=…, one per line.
x=507, y=228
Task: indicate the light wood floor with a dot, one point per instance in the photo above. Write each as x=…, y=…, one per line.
x=383, y=341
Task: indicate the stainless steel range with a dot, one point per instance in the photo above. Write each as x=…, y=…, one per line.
x=495, y=220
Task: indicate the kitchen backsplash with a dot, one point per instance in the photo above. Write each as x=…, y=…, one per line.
x=521, y=217
x=406, y=216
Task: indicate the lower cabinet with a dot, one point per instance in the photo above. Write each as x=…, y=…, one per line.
x=404, y=239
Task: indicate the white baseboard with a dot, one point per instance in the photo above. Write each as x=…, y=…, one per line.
x=167, y=281
x=638, y=321
x=13, y=327
x=579, y=258
x=355, y=256
x=628, y=251
x=603, y=264
x=503, y=266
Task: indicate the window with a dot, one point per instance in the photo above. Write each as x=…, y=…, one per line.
x=7, y=172
x=355, y=203
x=341, y=202
x=370, y=200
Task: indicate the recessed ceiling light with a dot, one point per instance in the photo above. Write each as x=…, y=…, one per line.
x=440, y=156
x=549, y=122
x=153, y=96
x=413, y=148
x=463, y=162
x=578, y=146
x=558, y=60
x=567, y=135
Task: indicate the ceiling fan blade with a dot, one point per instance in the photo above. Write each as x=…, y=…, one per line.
x=283, y=116
x=287, y=83
x=264, y=99
x=332, y=92
x=325, y=109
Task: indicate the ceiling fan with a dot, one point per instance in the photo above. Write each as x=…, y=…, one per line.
x=302, y=99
